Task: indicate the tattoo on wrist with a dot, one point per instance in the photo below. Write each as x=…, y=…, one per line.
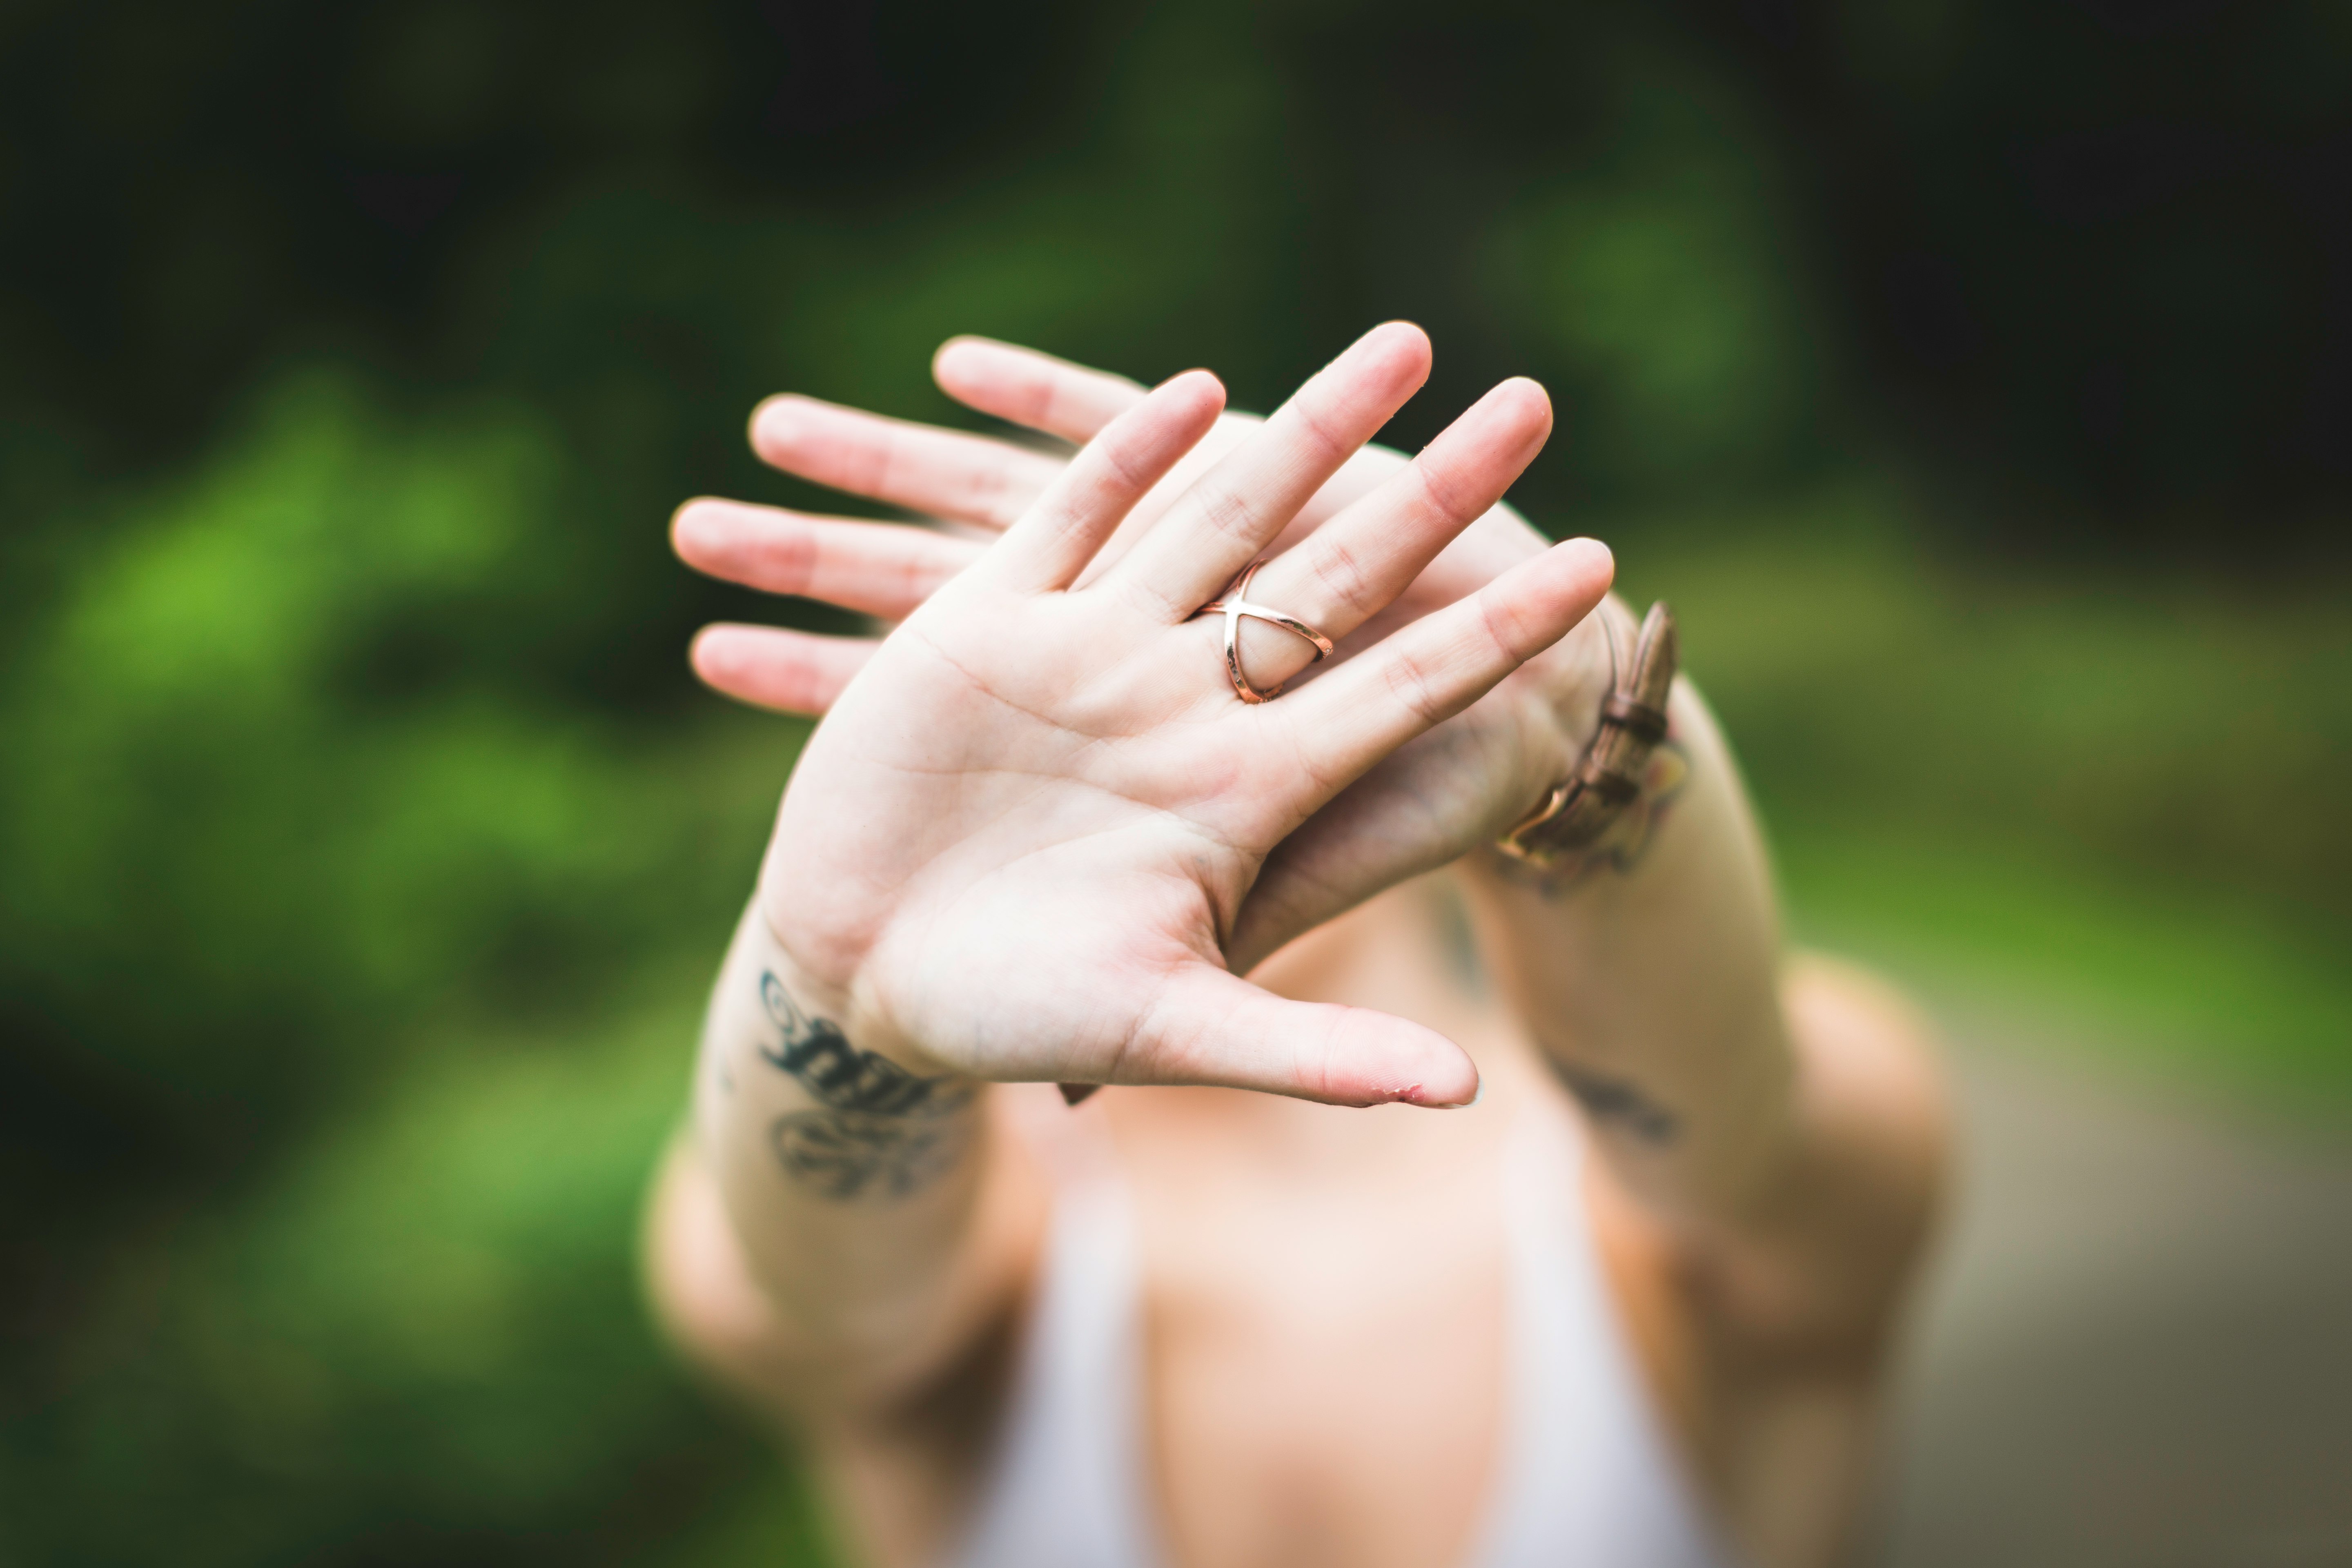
x=880, y=1132
x=846, y=1155
x=1614, y=1102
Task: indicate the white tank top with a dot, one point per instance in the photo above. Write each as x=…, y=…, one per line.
x=1585, y=1475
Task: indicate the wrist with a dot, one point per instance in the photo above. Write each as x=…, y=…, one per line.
x=1562, y=717
x=790, y=1086
x=804, y=933
x=812, y=995
x=1613, y=771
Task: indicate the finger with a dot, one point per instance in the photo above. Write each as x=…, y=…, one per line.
x=1048, y=548
x=1226, y=520
x=1358, y=562
x=1031, y=388
x=1423, y=675
x=1209, y=1026
x=769, y=666
x=944, y=473
x=1353, y=848
x=883, y=569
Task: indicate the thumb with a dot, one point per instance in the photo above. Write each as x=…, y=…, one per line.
x=1425, y=805
x=1209, y=1026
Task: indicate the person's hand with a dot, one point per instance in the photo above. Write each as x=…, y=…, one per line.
x=1435, y=799
x=1015, y=844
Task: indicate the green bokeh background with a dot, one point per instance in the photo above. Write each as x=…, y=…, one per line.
x=1975, y=380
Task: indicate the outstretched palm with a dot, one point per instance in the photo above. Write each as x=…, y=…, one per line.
x=1433, y=800
x=1017, y=844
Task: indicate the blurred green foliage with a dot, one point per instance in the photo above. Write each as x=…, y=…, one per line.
x=2109, y=800
x=433, y=1329
x=1973, y=379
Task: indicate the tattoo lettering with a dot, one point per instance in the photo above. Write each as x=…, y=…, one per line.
x=1611, y=1101
x=815, y=1052
x=882, y=1132
x=846, y=1155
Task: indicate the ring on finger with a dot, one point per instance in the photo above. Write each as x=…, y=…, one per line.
x=1234, y=605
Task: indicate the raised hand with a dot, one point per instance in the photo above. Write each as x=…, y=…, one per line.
x=973, y=487
x=1435, y=799
x=1018, y=843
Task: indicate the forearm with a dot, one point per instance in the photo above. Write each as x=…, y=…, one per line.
x=1647, y=968
x=1783, y=1126
x=851, y=1187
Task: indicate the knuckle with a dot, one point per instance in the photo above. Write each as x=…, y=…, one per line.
x=874, y=464
x=1316, y=423
x=1413, y=682
x=1345, y=578
x=1231, y=516
x=1327, y=1076
x=1146, y=598
x=1508, y=633
x=985, y=480
x=1443, y=490
x=1130, y=477
x=918, y=571
x=794, y=557
x=1228, y=513
x=1053, y=408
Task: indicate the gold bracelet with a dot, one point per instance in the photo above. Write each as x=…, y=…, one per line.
x=1607, y=777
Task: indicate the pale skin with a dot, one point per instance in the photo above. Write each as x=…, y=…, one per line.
x=1037, y=838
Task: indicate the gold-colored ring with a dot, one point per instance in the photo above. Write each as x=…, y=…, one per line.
x=1234, y=605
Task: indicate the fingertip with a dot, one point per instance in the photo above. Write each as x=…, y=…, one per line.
x=1592, y=558
x=959, y=358
x=1443, y=1084
x=777, y=423
x=1400, y=347
x=693, y=528
x=1395, y=1062
x=1452, y=1082
x=1457, y=1101
x=706, y=654
x=1518, y=412
x=724, y=655
x=1544, y=597
x=1529, y=394
x=1199, y=390
x=1407, y=337
x=1198, y=376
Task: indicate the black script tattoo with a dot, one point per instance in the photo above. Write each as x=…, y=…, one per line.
x=1611, y=1101
x=883, y=1132
x=846, y=1155
x=816, y=1051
